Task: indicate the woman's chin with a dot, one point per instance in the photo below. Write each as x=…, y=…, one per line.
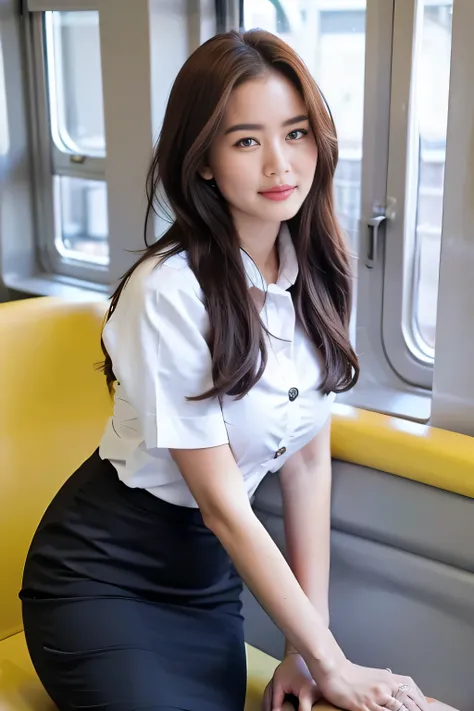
x=281, y=211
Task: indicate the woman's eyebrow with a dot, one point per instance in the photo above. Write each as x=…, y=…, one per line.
x=295, y=119
x=260, y=126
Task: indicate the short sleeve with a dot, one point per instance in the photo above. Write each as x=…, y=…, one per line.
x=156, y=339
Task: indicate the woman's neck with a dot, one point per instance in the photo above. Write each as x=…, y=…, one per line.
x=260, y=242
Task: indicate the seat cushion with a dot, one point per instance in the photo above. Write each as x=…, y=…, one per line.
x=54, y=406
x=21, y=690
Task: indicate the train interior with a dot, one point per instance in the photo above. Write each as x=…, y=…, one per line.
x=83, y=85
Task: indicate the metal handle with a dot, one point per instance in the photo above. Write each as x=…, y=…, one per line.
x=373, y=224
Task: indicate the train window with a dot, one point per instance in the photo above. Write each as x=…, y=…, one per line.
x=75, y=82
x=332, y=44
x=430, y=117
x=76, y=235
x=81, y=219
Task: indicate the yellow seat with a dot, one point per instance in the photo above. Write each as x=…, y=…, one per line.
x=429, y=455
x=54, y=405
x=20, y=688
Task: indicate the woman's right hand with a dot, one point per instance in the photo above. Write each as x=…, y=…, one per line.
x=357, y=688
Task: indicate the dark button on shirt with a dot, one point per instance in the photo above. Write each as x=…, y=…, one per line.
x=279, y=452
x=293, y=394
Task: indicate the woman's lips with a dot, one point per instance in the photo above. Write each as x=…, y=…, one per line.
x=282, y=192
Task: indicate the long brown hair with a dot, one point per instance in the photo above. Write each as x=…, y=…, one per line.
x=203, y=224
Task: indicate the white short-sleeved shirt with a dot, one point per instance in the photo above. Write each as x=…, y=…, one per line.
x=156, y=339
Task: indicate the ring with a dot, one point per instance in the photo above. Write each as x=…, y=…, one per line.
x=403, y=687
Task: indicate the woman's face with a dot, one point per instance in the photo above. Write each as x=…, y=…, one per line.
x=265, y=143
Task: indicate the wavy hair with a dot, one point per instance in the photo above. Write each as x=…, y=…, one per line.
x=203, y=226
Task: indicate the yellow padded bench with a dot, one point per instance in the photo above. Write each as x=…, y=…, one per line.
x=53, y=408
x=407, y=449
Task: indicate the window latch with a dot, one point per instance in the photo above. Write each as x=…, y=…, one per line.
x=373, y=224
x=77, y=159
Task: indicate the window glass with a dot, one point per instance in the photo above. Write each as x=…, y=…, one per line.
x=332, y=44
x=81, y=219
x=75, y=82
x=431, y=114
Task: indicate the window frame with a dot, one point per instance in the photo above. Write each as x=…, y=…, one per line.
x=50, y=162
x=409, y=356
x=402, y=350
x=4, y=126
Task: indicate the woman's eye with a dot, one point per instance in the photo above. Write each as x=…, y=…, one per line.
x=246, y=143
x=297, y=134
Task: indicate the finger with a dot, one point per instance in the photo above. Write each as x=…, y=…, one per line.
x=267, y=697
x=417, y=695
x=394, y=704
x=278, y=697
x=306, y=699
x=413, y=692
x=317, y=694
x=414, y=699
x=408, y=701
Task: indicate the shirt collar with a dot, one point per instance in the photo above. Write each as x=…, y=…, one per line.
x=288, y=263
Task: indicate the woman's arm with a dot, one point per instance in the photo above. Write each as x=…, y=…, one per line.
x=217, y=485
x=306, y=490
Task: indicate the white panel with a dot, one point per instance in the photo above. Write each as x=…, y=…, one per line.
x=125, y=49
x=174, y=34
x=453, y=392
x=143, y=45
x=169, y=41
x=201, y=21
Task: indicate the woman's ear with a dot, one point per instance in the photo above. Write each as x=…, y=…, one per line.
x=206, y=173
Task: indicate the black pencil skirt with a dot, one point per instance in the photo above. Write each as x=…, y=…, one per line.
x=130, y=602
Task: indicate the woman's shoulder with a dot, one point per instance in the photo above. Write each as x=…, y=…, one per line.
x=164, y=276
x=161, y=294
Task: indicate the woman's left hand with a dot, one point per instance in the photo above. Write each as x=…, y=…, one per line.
x=291, y=677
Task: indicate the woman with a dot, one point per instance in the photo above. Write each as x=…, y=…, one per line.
x=226, y=343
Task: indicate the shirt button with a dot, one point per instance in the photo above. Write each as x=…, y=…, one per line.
x=279, y=452
x=293, y=394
